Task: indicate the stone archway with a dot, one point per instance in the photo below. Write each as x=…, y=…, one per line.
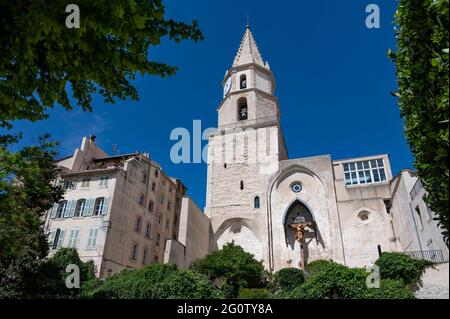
x=239, y=231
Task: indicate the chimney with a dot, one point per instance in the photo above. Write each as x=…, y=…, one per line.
x=92, y=137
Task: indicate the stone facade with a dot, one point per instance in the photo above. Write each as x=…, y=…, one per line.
x=117, y=210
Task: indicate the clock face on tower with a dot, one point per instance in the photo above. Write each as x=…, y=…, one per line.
x=227, y=87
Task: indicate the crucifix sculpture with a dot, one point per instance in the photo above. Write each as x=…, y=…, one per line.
x=299, y=225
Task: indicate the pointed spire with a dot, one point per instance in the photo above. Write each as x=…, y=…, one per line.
x=248, y=50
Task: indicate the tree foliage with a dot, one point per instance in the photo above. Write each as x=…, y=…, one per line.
x=254, y=293
x=52, y=274
x=287, y=279
x=26, y=193
x=142, y=283
x=422, y=71
x=317, y=266
x=188, y=284
x=41, y=60
x=232, y=268
x=401, y=267
x=334, y=280
x=155, y=281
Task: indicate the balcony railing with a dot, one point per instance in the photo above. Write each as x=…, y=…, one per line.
x=435, y=256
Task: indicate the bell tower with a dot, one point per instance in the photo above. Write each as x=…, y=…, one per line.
x=248, y=90
x=244, y=154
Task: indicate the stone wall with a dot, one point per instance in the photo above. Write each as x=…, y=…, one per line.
x=434, y=283
x=194, y=236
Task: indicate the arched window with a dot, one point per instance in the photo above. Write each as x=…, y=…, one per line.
x=242, y=109
x=150, y=206
x=99, y=202
x=137, y=226
x=141, y=199
x=243, y=82
x=79, y=209
x=61, y=209
x=145, y=256
x=242, y=185
x=257, y=203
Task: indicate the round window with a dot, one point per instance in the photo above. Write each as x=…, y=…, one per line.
x=363, y=217
x=296, y=187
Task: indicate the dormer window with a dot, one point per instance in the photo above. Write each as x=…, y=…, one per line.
x=243, y=82
x=242, y=109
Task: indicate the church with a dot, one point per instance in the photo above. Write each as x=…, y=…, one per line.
x=290, y=211
x=124, y=211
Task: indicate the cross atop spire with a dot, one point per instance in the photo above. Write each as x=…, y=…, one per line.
x=248, y=50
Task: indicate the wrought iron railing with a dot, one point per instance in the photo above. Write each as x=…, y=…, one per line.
x=432, y=255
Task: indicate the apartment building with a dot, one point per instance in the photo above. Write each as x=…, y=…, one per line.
x=118, y=210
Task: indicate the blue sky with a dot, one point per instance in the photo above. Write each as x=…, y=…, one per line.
x=332, y=74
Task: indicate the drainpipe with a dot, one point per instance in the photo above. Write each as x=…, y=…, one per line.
x=415, y=227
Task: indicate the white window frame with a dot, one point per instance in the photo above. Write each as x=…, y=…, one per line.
x=60, y=242
x=99, y=203
x=92, y=241
x=85, y=182
x=74, y=237
x=103, y=183
x=354, y=172
x=82, y=207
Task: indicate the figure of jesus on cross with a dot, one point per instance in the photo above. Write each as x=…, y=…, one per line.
x=299, y=225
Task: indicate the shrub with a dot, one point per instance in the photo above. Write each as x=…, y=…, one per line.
x=152, y=282
x=317, y=266
x=254, y=293
x=141, y=283
x=188, y=284
x=288, y=279
x=389, y=289
x=231, y=268
x=401, y=266
x=338, y=281
x=88, y=287
x=333, y=279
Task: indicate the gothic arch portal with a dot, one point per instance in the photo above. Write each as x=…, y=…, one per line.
x=295, y=212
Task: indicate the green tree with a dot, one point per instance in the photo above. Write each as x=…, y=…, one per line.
x=52, y=275
x=231, y=268
x=422, y=72
x=41, y=59
x=26, y=192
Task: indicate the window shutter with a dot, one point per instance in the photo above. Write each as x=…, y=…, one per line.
x=72, y=209
x=90, y=207
x=60, y=238
x=105, y=206
x=86, y=207
x=66, y=212
x=54, y=210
